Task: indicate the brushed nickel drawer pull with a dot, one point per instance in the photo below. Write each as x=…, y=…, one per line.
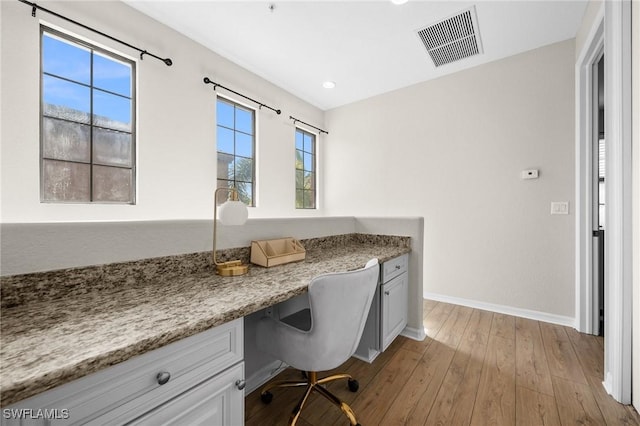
x=163, y=377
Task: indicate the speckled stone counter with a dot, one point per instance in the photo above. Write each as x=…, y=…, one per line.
x=61, y=325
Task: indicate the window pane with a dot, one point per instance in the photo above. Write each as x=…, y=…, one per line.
x=66, y=59
x=245, y=193
x=64, y=181
x=299, y=140
x=244, y=145
x=225, y=140
x=112, y=148
x=299, y=199
x=308, y=161
x=65, y=100
x=308, y=143
x=309, y=180
x=299, y=157
x=225, y=166
x=309, y=199
x=244, y=120
x=111, y=111
x=299, y=179
x=244, y=169
x=224, y=114
x=112, y=184
x=64, y=140
x=223, y=195
x=111, y=75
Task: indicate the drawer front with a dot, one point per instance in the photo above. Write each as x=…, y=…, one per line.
x=194, y=358
x=216, y=401
x=394, y=267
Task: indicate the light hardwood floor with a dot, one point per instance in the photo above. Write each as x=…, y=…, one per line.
x=474, y=368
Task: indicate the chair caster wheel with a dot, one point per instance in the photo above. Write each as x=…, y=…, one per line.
x=266, y=397
x=353, y=385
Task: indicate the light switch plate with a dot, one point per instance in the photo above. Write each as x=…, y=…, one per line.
x=559, y=207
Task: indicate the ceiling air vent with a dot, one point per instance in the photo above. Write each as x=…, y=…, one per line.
x=453, y=38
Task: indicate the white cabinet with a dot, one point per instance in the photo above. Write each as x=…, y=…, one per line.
x=175, y=375
x=388, y=315
x=394, y=295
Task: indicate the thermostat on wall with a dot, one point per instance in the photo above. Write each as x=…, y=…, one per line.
x=529, y=174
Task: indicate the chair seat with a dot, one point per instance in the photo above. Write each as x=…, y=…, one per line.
x=300, y=320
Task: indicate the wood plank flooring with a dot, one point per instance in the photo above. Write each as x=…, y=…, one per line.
x=474, y=368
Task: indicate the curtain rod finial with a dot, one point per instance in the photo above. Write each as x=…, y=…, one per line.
x=168, y=61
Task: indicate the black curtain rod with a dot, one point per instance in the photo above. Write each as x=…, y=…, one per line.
x=34, y=6
x=295, y=120
x=207, y=80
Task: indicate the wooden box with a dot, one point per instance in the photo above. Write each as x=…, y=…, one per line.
x=270, y=253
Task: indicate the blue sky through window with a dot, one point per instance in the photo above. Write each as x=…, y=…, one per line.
x=73, y=64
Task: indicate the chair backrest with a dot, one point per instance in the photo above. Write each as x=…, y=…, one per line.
x=340, y=303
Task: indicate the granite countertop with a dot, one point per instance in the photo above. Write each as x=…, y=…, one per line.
x=49, y=342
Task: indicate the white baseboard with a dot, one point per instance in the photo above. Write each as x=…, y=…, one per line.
x=503, y=309
x=263, y=375
x=418, y=334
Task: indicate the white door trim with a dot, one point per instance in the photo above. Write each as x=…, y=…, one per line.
x=584, y=182
x=618, y=224
x=612, y=28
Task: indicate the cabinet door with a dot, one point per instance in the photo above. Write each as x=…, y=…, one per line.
x=217, y=401
x=394, y=309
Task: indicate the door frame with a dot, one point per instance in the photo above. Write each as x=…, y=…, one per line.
x=584, y=169
x=611, y=28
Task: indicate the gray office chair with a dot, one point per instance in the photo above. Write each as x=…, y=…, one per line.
x=324, y=336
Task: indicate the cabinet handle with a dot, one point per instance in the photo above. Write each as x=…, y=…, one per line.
x=163, y=377
x=398, y=266
x=386, y=293
x=240, y=384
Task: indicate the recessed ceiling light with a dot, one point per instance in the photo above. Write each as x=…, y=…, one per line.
x=329, y=84
x=399, y=2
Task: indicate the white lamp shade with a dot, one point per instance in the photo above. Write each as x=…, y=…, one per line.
x=233, y=213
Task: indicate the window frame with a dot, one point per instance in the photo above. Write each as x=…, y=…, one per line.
x=235, y=104
x=315, y=163
x=94, y=48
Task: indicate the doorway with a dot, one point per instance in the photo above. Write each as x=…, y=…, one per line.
x=614, y=39
x=598, y=188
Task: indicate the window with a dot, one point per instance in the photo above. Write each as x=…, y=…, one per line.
x=305, y=170
x=236, y=148
x=87, y=143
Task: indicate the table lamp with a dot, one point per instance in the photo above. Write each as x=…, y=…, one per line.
x=232, y=212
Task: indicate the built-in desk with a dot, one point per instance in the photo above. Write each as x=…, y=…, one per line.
x=70, y=333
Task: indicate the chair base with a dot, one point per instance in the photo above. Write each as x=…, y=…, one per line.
x=312, y=384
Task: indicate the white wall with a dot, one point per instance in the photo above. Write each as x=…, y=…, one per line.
x=176, y=120
x=451, y=150
x=38, y=247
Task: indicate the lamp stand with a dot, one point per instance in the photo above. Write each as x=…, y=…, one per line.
x=231, y=268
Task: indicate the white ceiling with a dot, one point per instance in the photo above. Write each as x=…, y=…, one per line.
x=366, y=47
